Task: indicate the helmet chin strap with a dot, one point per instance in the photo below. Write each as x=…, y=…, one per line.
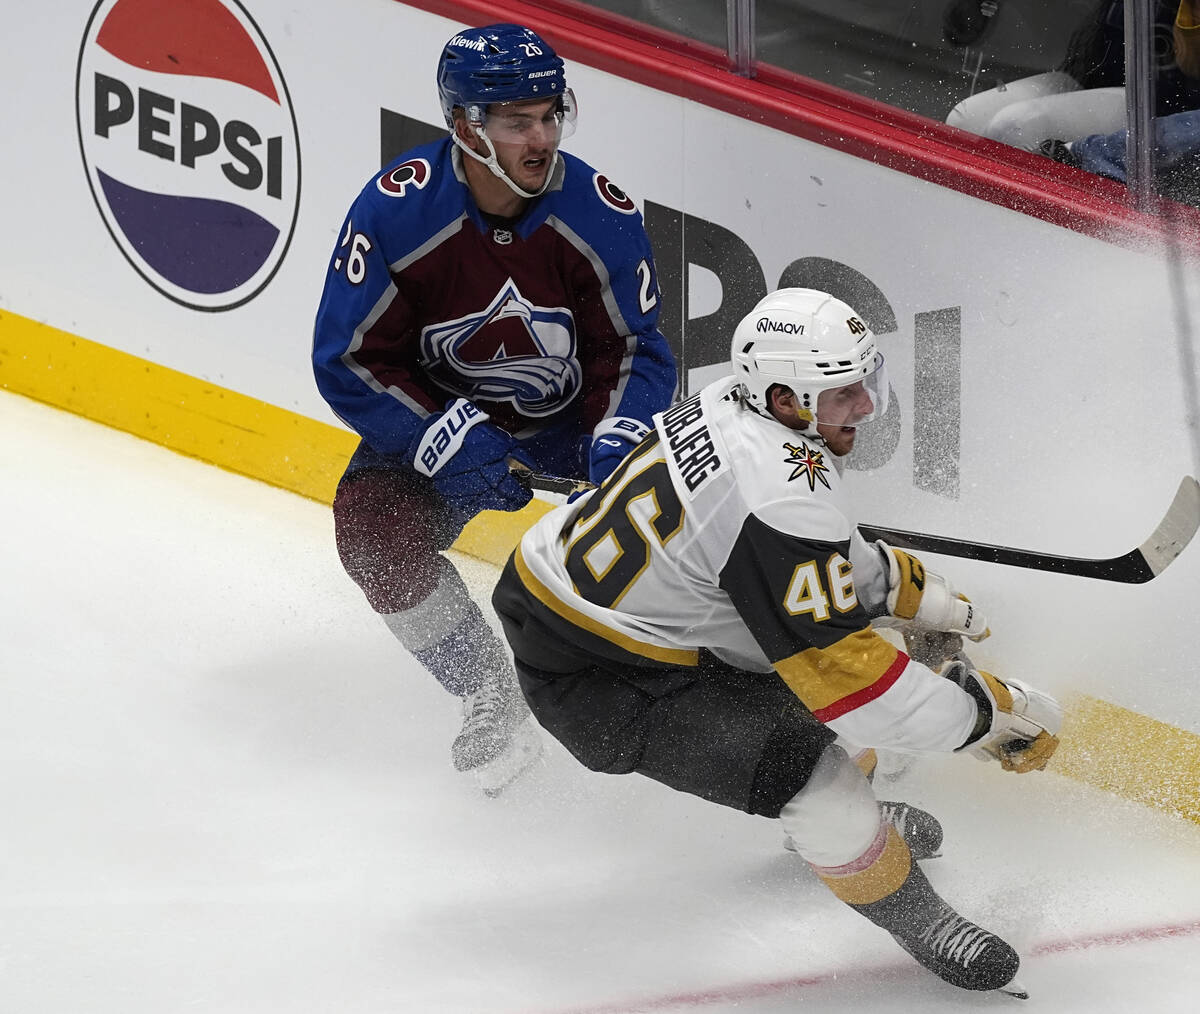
x=494, y=165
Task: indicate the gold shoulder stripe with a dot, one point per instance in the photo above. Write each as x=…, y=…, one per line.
x=675, y=656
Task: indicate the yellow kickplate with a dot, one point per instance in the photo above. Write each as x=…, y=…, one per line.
x=493, y=535
x=174, y=409
x=202, y=420
x=1130, y=755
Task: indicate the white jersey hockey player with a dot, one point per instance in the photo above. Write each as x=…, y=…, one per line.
x=704, y=618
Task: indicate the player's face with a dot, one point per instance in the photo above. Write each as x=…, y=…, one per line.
x=525, y=135
x=839, y=411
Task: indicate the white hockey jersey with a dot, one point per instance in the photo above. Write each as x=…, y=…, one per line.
x=726, y=530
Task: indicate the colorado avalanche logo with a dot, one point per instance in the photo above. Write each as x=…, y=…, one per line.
x=190, y=146
x=413, y=173
x=613, y=195
x=511, y=352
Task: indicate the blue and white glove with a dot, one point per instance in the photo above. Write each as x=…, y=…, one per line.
x=612, y=439
x=467, y=458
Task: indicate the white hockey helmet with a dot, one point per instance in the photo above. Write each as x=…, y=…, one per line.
x=810, y=342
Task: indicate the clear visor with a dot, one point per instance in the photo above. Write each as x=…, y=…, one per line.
x=531, y=124
x=855, y=403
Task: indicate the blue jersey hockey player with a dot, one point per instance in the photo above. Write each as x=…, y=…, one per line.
x=491, y=300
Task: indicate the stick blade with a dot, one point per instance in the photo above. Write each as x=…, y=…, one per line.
x=1176, y=529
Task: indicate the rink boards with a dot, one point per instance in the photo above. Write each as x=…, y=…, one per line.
x=1041, y=392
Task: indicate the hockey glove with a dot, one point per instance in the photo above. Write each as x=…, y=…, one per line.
x=1017, y=725
x=926, y=600
x=467, y=458
x=611, y=441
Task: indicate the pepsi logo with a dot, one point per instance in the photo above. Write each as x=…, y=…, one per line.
x=190, y=145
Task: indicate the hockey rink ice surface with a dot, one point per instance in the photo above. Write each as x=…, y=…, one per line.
x=225, y=788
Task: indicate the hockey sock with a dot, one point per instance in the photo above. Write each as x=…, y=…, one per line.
x=450, y=637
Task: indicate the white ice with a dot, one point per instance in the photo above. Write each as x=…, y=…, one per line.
x=225, y=788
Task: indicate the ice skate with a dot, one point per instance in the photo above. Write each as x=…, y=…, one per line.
x=524, y=748
x=920, y=830
x=490, y=717
x=949, y=945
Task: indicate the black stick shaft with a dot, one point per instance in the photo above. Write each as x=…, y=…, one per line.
x=1137, y=566
x=1131, y=568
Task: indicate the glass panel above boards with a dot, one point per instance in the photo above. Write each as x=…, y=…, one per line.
x=1042, y=77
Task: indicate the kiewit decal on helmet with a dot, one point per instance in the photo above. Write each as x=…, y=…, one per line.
x=480, y=67
x=810, y=342
x=497, y=63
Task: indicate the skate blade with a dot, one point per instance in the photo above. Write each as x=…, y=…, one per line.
x=523, y=750
x=1015, y=990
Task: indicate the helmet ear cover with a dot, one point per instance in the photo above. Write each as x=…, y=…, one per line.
x=805, y=410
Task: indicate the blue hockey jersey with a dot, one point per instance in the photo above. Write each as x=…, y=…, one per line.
x=549, y=320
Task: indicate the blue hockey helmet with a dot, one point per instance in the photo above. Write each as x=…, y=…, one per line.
x=497, y=63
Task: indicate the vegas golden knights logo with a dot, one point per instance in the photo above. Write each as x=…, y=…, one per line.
x=810, y=465
x=856, y=326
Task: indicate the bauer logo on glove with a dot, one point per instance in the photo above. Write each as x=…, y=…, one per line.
x=926, y=600
x=444, y=437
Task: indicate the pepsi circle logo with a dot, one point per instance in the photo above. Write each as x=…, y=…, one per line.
x=190, y=145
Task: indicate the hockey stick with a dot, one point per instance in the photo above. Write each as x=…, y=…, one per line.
x=1139, y=565
x=547, y=483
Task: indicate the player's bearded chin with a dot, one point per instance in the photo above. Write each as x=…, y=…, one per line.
x=838, y=439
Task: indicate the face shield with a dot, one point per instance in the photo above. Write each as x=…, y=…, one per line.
x=527, y=122
x=856, y=403
x=534, y=123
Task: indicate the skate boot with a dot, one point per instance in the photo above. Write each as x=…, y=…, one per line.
x=490, y=716
x=524, y=748
x=920, y=830
x=950, y=946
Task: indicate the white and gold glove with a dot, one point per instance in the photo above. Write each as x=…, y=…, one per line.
x=1022, y=729
x=927, y=601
